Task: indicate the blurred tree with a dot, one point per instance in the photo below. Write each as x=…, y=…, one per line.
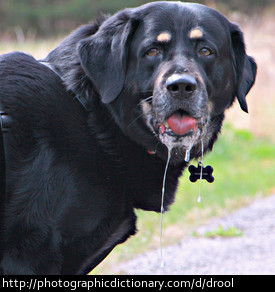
x=246, y=6
x=51, y=17
x=47, y=17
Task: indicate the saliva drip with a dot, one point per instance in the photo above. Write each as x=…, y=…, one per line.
x=201, y=165
x=162, y=262
x=187, y=158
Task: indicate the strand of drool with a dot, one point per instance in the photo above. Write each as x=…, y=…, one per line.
x=201, y=164
x=162, y=262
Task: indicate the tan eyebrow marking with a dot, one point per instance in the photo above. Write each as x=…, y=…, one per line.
x=195, y=33
x=164, y=37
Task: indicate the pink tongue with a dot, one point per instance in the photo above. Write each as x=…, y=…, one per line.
x=181, y=125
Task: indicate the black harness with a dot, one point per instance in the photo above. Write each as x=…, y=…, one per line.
x=5, y=121
x=83, y=101
x=5, y=126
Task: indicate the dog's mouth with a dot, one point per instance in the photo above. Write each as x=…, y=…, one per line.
x=179, y=125
x=179, y=130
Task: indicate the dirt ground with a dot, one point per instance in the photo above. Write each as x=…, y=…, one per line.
x=252, y=253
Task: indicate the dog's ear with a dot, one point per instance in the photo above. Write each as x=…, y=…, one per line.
x=244, y=65
x=104, y=55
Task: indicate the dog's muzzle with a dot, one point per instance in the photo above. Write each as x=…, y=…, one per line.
x=177, y=113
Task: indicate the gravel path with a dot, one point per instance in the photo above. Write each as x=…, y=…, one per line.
x=250, y=254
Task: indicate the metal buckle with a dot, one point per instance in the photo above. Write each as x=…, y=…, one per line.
x=5, y=122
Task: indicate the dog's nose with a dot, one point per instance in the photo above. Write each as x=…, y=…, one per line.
x=181, y=86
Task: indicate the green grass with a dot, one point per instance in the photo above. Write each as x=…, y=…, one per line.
x=244, y=169
x=220, y=231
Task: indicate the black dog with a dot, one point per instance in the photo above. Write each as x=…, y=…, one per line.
x=84, y=119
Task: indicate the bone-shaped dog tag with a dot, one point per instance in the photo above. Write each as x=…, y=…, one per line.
x=204, y=173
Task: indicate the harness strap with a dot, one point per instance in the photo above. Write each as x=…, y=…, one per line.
x=4, y=129
x=83, y=101
x=5, y=122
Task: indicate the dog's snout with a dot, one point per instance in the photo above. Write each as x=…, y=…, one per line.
x=181, y=86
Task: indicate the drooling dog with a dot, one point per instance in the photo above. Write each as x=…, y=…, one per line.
x=92, y=123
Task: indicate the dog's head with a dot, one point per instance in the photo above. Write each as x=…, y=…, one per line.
x=167, y=71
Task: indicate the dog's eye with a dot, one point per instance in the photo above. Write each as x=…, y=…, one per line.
x=205, y=52
x=152, y=52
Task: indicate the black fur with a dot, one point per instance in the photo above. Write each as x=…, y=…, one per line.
x=75, y=175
